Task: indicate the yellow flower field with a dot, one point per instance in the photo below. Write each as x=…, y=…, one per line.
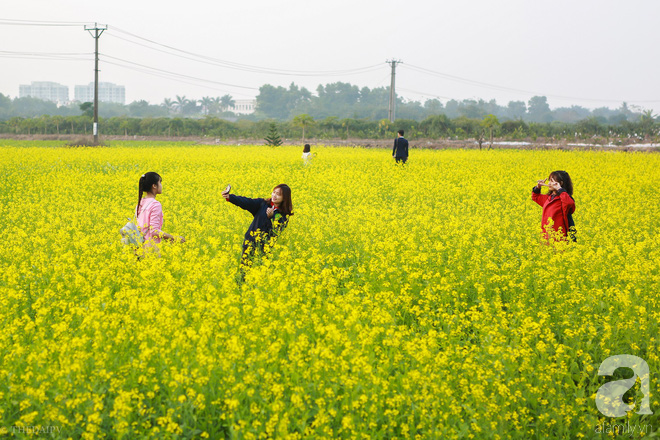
x=400, y=302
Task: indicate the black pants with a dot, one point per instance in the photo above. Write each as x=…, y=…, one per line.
x=401, y=159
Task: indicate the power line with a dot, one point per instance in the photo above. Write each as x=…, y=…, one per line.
x=46, y=54
x=178, y=74
x=42, y=58
x=231, y=66
x=13, y=22
x=415, y=92
x=251, y=68
x=510, y=89
x=174, y=51
x=173, y=78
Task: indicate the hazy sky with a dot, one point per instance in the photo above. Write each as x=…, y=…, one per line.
x=579, y=52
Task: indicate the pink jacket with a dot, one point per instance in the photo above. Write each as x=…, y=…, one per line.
x=150, y=220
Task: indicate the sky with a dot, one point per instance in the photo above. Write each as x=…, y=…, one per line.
x=588, y=53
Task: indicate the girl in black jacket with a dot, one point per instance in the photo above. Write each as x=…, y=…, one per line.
x=270, y=218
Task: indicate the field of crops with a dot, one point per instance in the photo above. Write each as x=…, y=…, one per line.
x=400, y=302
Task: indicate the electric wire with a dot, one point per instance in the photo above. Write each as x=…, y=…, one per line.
x=46, y=54
x=511, y=89
x=177, y=74
x=251, y=68
x=256, y=69
x=19, y=57
x=168, y=77
x=424, y=93
x=221, y=64
x=14, y=22
x=167, y=74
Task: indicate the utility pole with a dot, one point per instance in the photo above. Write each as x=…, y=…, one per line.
x=97, y=33
x=390, y=113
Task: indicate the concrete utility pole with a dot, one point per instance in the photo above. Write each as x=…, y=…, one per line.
x=97, y=33
x=393, y=63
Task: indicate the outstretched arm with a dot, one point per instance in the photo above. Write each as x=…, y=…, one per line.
x=250, y=205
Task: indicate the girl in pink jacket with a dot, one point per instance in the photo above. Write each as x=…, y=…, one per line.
x=149, y=211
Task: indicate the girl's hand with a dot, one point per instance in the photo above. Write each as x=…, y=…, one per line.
x=225, y=193
x=540, y=183
x=554, y=185
x=182, y=239
x=270, y=212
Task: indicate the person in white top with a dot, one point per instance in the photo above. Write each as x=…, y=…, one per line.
x=307, y=155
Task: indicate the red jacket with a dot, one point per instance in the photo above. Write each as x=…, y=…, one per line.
x=556, y=207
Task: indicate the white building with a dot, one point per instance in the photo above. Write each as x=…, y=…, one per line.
x=243, y=106
x=48, y=91
x=108, y=92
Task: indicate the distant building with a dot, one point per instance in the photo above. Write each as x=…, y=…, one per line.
x=48, y=91
x=243, y=106
x=108, y=92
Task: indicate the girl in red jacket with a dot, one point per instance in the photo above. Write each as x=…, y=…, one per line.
x=557, y=205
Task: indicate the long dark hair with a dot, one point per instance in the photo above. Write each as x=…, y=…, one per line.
x=564, y=180
x=286, y=207
x=147, y=180
x=306, y=148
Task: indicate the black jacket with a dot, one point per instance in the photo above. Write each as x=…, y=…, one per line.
x=261, y=225
x=400, y=147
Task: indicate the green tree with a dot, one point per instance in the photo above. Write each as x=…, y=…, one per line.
x=5, y=107
x=436, y=126
x=273, y=137
x=57, y=120
x=516, y=128
x=516, y=110
x=180, y=103
x=226, y=102
x=646, y=124
x=175, y=127
x=539, y=110
x=346, y=122
x=278, y=102
x=489, y=123
x=87, y=108
x=303, y=121
x=206, y=102
x=216, y=105
x=16, y=123
x=168, y=105
x=433, y=106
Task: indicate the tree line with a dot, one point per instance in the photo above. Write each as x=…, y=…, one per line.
x=304, y=126
x=336, y=111
x=344, y=100
x=341, y=100
x=29, y=107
